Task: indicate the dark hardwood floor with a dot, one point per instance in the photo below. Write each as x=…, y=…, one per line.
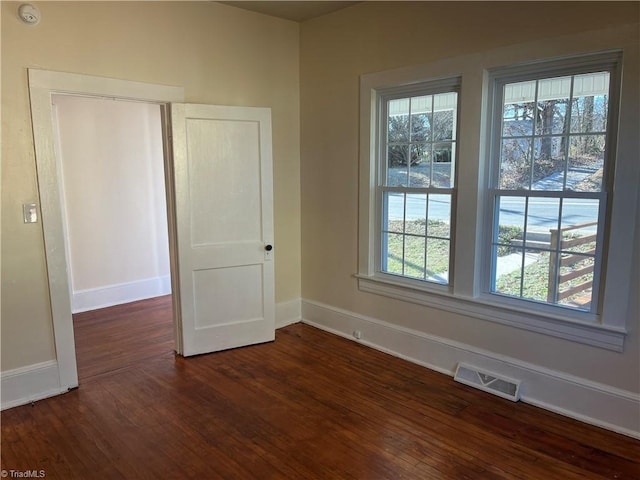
x=124, y=336
x=308, y=406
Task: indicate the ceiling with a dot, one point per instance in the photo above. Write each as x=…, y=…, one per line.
x=291, y=10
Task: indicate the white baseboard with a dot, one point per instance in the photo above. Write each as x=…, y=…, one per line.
x=28, y=384
x=93, y=298
x=594, y=403
x=288, y=313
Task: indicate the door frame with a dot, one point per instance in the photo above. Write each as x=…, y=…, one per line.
x=42, y=85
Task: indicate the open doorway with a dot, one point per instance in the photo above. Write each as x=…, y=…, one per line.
x=218, y=177
x=111, y=173
x=43, y=85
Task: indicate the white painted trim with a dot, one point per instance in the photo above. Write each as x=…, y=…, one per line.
x=78, y=84
x=28, y=384
x=568, y=395
x=594, y=334
x=101, y=297
x=288, y=313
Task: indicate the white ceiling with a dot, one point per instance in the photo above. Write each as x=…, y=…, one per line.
x=291, y=10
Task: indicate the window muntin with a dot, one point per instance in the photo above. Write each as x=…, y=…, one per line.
x=416, y=181
x=548, y=194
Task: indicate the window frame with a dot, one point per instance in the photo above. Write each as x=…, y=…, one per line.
x=383, y=96
x=466, y=297
x=497, y=79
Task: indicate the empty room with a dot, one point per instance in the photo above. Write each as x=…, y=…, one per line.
x=400, y=238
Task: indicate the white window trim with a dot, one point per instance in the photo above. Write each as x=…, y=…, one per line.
x=465, y=296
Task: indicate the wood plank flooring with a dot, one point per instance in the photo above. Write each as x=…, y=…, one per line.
x=308, y=406
x=110, y=339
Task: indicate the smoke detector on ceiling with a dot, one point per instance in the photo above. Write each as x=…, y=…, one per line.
x=29, y=14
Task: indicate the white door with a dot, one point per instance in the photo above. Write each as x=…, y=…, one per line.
x=224, y=219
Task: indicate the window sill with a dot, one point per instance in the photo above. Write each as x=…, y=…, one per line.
x=589, y=333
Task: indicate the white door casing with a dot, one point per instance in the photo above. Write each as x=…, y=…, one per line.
x=224, y=210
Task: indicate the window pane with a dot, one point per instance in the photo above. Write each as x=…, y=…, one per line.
x=515, y=164
x=392, y=253
x=589, y=108
x=579, y=225
x=421, y=175
x=549, y=163
x=445, y=106
x=507, y=241
x=393, y=215
x=580, y=239
x=576, y=211
x=439, y=224
x=398, y=121
x=542, y=216
x=586, y=161
x=518, y=110
x=416, y=211
x=438, y=260
x=420, y=165
x=508, y=272
x=510, y=211
x=553, y=99
x=575, y=282
x=398, y=155
x=397, y=168
x=419, y=153
x=535, y=284
x=552, y=117
x=414, y=256
x=443, y=125
x=421, y=118
x=443, y=155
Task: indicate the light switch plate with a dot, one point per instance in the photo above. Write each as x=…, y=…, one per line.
x=30, y=212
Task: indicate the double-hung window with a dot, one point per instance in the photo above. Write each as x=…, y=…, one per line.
x=416, y=136
x=513, y=168
x=550, y=182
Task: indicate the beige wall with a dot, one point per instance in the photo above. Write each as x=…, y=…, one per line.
x=377, y=36
x=219, y=54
